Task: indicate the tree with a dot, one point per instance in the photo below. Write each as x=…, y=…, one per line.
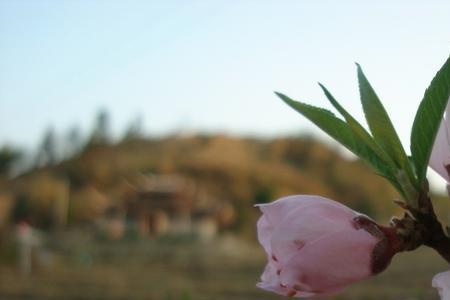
x=73, y=142
x=8, y=157
x=101, y=133
x=47, y=153
x=135, y=129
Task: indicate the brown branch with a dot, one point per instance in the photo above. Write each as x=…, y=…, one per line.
x=421, y=227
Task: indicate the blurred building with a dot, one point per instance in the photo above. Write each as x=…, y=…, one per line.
x=173, y=204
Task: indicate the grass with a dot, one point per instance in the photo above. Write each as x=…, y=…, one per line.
x=183, y=270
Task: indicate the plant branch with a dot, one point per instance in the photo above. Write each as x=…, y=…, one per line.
x=420, y=226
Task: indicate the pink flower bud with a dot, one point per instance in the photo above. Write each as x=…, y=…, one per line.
x=441, y=282
x=440, y=155
x=317, y=246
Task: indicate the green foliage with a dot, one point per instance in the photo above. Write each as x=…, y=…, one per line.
x=379, y=122
x=382, y=148
x=428, y=118
x=342, y=132
x=358, y=129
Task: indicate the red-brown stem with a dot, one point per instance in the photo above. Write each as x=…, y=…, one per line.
x=422, y=228
x=443, y=248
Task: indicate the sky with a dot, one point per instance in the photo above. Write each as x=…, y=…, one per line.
x=210, y=65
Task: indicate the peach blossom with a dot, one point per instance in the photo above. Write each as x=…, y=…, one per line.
x=317, y=246
x=440, y=155
x=441, y=282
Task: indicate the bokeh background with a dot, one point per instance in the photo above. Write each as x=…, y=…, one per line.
x=136, y=136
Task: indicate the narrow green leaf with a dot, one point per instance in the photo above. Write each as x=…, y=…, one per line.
x=428, y=118
x=358, y=129
x=385, y=135
x=341, y=132
x=379, y=122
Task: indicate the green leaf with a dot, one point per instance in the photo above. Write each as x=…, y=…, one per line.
x=428, y=118
x=342, y=133
x=381, y=126
x=358, y=129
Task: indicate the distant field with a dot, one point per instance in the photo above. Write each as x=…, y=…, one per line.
x=180, y=270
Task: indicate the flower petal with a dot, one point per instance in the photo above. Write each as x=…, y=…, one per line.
x=270, y=280
x=441, y=282
x=307, y=223
x=331, y=263
x=277, y=210
x=440, y=154
x=264, y=233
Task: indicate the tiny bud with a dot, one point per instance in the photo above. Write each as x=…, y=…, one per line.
x=401, y=203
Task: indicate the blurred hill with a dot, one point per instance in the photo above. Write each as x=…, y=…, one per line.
x=220, y=177
x=174, y=217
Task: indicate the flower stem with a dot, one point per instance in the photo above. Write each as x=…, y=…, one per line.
x=422, y=227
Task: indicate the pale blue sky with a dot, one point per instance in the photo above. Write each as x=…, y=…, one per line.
x=210, y=65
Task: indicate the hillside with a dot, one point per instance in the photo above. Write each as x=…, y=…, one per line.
x=224, y=171
x=173, y=218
